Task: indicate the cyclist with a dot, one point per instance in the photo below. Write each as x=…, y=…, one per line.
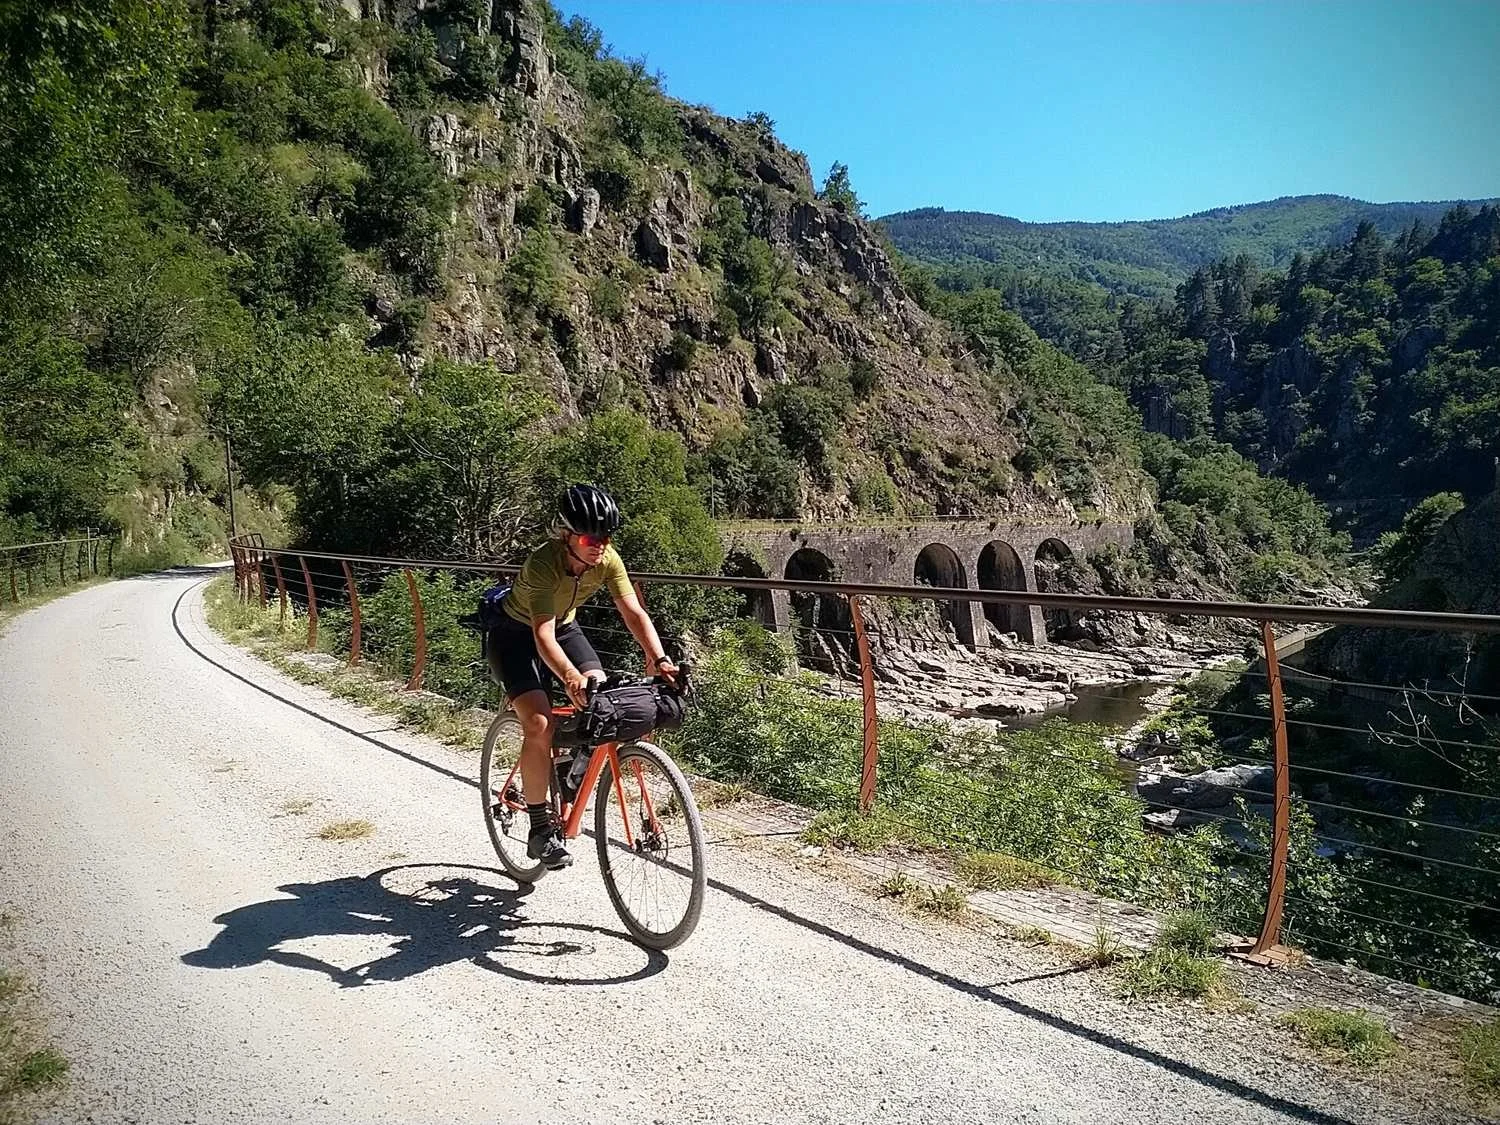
x=539, y=643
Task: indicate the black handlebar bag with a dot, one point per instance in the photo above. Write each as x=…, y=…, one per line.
x=626, y=712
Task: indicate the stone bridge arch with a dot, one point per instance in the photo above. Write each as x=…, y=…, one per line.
x=938, y=564
x=742, y=562
x=1052, y=554
x=989, y=551
x=822, y=622
x=1000, y=568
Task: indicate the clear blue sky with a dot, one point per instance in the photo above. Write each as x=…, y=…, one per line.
x=1100, y=111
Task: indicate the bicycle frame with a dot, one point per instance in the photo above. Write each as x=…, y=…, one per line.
x=573, y=811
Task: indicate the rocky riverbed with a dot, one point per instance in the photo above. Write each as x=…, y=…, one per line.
x=1013, y=684
x=993, y=687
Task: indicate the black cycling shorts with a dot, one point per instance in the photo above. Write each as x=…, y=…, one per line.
x=516, y=664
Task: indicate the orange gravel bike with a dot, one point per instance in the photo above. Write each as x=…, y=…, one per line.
x=646, y=826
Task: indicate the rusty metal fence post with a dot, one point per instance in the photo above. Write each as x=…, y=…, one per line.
x=1281, y=826
x=354, y=612
x=280, y=590
x=312, y=606
x=62, y=565
x=419, y=627
x=867, y=690
x=111, y=557
x=260, y=571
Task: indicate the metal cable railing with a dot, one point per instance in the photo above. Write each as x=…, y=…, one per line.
x=1361, y=845
x=30, y=567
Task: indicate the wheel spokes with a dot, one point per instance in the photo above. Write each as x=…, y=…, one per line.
x=641, y=825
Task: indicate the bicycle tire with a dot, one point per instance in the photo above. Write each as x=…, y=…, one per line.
x=509, y=829
x=694, y=880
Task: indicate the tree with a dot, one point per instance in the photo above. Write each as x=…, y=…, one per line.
x=751, y=473
x=1366, y=252
x=472, y=427
x=666, y=526
x=1396, y=552
x=1198, y=302
x=59, y=433
x=532, y=276
x=87, y=86
x=758, y=286
x=838, y=191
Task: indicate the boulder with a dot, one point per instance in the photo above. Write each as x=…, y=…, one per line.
x=583, y=214
x=1211, y=789
x=653, y=242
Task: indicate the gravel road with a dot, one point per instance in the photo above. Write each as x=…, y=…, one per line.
x=204, y=957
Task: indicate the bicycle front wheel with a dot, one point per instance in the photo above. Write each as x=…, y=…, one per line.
x=650, y=842
x=504, y=806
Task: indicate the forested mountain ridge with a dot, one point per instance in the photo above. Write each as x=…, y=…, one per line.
x=1368, y=370
x=1147, y=258
x=422, y=265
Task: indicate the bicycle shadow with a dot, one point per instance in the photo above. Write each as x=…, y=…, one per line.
x=432, y=922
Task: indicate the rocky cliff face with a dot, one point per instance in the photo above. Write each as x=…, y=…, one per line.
x=637, y=315
x=1459, y=572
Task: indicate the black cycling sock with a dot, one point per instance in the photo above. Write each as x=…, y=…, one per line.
x=541, y=816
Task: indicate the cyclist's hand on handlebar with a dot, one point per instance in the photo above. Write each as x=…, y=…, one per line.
x=579, y=688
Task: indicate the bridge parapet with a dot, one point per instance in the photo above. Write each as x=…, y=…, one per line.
x=971, y=554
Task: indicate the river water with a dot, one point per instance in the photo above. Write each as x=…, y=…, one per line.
x=1116, y=706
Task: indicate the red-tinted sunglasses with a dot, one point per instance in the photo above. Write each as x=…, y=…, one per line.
x=594, y=540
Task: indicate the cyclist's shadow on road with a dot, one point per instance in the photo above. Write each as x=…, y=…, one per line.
x=453, y=913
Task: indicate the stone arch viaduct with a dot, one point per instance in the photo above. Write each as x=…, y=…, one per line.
x=968, y=554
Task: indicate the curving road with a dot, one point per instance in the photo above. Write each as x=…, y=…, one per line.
x=205, y=958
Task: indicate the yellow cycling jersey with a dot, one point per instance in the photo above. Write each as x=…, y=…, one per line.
x=545, y=587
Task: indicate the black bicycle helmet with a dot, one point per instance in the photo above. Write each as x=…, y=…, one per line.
x=587, y=509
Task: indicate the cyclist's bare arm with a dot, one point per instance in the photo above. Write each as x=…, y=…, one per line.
x=544, y=629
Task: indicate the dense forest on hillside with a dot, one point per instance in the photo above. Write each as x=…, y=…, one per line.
x=1367, y=371
x=411, y=266
x=1144, y=259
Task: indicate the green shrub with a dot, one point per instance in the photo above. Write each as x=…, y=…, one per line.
x=680, y=351
x=947, y=902
x=389, y=633
x=990, y=871
x=1479, y=1049
x=875, y=492
x=535, y=209
x=1274, y=576
x=1396, y=552
x=1191, y=931
x=41, y=1068
x=1046, y=796
x=863, y=378
x=616, y=175
x=533, y=276
x=1166, y=972
x=845, y=828
x=1354, y=1035
x=607, y=299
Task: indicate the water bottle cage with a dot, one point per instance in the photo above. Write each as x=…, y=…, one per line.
x=579, y=768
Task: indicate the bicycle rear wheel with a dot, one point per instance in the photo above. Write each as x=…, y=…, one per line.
x=505, y=811
x=650, y=842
